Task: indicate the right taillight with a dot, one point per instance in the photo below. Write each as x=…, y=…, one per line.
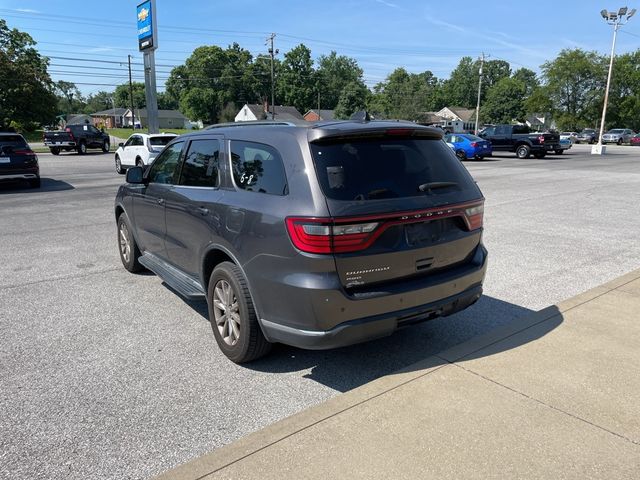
x=474, y=216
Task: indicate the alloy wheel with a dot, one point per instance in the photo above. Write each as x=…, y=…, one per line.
x=125, y=242
x=227, y=312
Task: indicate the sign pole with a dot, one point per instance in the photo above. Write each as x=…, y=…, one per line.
x=147, y=43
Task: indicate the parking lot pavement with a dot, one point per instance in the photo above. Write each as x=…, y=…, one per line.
x=104, y=374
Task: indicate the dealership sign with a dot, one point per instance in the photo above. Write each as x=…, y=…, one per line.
x=147, y=35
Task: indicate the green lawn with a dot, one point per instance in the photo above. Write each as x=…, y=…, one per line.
x=31, y=137
x=125, y=132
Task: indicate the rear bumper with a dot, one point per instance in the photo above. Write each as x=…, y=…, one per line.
x=26, y=174
x=439, y=296
x=59, y=144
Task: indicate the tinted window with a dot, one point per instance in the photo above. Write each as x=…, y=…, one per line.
x=200, y=167
x=130, y=141
x=385, y=168
x=258, y=168
x=12, y=141
x=489, y=131
x=473, y=138
x=165, y=167
x=160, y=141
x=520, y=129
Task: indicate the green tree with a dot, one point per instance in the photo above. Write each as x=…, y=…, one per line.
x=70, y=99
x=624, y=95
x=575, y=80
x=504, y=102
x=296, y=79
x=98, y=102
x=26, y=90
x=333, y=74
x=404, y=95
x=539, y=101
x=528, y=78
x=492, y=72
x=122, y=96
x=461, y=89
x=352, y=99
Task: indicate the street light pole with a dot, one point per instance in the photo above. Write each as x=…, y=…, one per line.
x=479, y=90
x=616, y=19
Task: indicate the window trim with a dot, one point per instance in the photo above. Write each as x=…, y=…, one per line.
x=184, y=159
x=230, y=167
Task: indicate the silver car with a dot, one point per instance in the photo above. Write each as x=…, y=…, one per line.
x=618, y=135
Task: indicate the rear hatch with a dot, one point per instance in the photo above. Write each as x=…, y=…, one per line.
x=401, y=206
x=551, y=138
x=15, y=155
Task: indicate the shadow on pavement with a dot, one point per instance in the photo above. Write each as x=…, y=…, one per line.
x=349, y=367
x=47, y=185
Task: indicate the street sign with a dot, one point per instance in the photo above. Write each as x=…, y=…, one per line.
x=147, y=31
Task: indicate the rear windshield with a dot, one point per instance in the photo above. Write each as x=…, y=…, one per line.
x=372, y=169
x=473, y=138
x=160, y=141
x=12, y=141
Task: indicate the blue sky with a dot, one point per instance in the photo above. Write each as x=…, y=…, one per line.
x=380, y=34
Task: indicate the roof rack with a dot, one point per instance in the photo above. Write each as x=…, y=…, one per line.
x=256, y=123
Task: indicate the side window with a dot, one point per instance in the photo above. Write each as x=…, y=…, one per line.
x=258, y=168
x=489, y=131
x=200, y=167
x=130, y=141
x=137, y=141
x=164, y=169
x=502, y=130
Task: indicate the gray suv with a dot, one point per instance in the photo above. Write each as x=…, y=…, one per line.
x=317, y=236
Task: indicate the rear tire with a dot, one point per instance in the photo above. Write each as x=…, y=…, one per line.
x=233, y=317
x=82, y=148
x=461, y=155
x=139, y=163
x=127, y=246
x=55, y=151
x=619, y=141
x=559, y=152
x=523, y=151
x=35, y=183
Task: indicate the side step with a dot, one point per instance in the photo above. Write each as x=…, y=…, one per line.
x=184, y=284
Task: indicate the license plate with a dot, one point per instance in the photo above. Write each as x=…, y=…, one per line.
x=5, y=159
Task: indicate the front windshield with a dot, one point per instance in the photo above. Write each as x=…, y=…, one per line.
x=616, y=130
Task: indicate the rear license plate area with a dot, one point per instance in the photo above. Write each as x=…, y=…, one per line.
x=425, y=233
x=5, y=159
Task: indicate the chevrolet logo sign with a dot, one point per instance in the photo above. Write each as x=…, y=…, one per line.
x=143, y=14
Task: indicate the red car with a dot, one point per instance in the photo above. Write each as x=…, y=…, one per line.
x=635, y=140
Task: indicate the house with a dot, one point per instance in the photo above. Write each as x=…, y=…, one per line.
x=253, y=112
x=465, y=115
x=318, y=115
x=166, y=119
x=111, y=118
x=78, y=119
x=540, y=122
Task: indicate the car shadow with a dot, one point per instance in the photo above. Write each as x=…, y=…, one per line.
x=346, y=368
x=47, y=185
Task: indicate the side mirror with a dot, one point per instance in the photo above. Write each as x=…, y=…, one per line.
x=135, y=175
x=121, y=144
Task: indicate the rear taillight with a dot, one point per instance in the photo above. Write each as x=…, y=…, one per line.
x=22, y=152
x=68, y=130
x=474, y=144
x=541, y=138
x=352, y=234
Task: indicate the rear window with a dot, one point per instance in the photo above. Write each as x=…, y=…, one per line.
x=473, y=138
x=372, y=169
x=160, y=141
x=12, y=141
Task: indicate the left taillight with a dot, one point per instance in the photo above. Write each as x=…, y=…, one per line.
x=474, y=216
x=541, y=138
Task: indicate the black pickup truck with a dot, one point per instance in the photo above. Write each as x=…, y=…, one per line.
x=78, y=138
x=518, y=139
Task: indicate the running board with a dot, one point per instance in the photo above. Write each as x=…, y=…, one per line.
x=182, y=283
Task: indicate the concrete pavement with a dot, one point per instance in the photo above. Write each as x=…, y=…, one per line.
x=551, y=395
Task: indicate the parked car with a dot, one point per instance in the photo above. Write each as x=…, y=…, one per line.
x=518, y=139
x=635, y=140
x=140, y=149
x=571, y=136
x=565, y=144
x=618, y=135
x=588, y=135
x=469, y=146
x=77, y=138
x=317, y=236
x=17, y=160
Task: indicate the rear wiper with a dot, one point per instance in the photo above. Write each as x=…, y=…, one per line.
x=427, y=187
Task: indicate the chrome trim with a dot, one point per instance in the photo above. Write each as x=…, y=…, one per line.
x=17, y=176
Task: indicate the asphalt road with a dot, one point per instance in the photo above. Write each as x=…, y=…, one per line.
x=105, y=374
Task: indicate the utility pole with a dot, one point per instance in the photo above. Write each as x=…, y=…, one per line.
x=479, y=90
x=273, y=53
x=133, y=107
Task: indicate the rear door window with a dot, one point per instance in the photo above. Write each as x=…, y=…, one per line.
x=386, y=168
x=200, y=167
x=160, y=141
x=258, y=167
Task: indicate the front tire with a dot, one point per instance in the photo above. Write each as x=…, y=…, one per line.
x=233, y=316
x=127, y=246
x=461, y=155
x=55, y=150
x=106, y=146
x=619, y=141
x=523, y=151
x=119, y=169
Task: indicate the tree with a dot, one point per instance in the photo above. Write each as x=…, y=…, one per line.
x=528, y=78
x=624, y=95
x=504, y=102
x=70, y=99
x=575, y=80
x=296, y=80
x=492, y=72
x=461, y=89
x=122, y=96
x=404, y=95
x=333, y=74
x=26, y=90
x=98, y=102
x=352, y=99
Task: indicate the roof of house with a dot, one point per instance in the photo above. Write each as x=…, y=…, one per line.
x=78, y=119
x=429, y=117
x=324, y=114
x=110, y=112
x=257, y=110
x=464, y=114
x=142, y=112
x=285, y=112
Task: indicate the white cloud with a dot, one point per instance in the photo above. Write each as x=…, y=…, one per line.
x=388, y=4
x=26, y=10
